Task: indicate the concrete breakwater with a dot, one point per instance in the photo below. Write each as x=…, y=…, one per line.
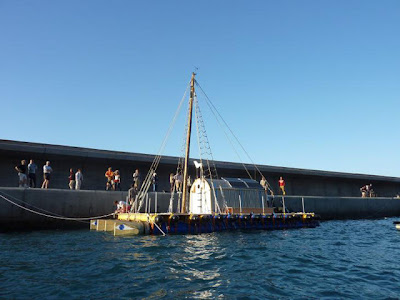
x=94, y=164
x=344, y=207
x=82, y=204
x=55, y=202
x=62, y=203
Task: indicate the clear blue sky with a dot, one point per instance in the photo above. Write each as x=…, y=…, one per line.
x=305, y=84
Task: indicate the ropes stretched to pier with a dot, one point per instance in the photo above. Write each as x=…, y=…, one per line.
x=52, y=216
x=147, y=181
x=219, y=117
x=26, y=203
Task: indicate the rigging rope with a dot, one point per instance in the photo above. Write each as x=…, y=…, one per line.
x=147, y=182
x=202, y=139
x=208, y=102
x=213, y=108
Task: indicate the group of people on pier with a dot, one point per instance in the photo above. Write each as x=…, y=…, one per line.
x=27, y=174
x=75, y=179
x=176, y=182
x=27, y=177
x=367, y=191
x=267, y=188
x=114, y=180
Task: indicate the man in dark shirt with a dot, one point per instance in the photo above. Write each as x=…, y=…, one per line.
x=155, y=181
x=21, y=169
x=32, y=174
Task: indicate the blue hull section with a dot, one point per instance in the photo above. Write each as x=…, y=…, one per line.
x=230, y=223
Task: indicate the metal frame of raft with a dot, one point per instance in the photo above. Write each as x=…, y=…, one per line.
x=167, y=223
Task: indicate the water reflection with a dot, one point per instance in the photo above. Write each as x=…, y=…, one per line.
x=196, y=263
x=360, y=257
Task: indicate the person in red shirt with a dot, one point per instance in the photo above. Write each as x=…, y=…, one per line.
x=282, y=185
x=110, y=179
x=71, y=179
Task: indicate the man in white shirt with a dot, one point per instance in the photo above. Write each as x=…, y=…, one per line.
x=47, y=170
x=78, y=179
x=122, y=207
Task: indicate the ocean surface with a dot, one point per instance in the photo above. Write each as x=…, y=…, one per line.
x=355, y=259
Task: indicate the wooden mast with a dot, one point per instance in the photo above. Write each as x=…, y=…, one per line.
x=189, y=129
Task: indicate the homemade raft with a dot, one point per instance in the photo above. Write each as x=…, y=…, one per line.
x=165, y=223
x=208, y=204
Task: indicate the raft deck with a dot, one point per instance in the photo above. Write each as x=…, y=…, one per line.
x=172, y=223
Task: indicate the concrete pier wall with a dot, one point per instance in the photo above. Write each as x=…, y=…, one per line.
x=63, y=203
x=66, y=203
x=344, y=207
x=94, y=163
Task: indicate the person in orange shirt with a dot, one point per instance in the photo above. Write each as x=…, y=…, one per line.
x=110, y=179
x=282, y=185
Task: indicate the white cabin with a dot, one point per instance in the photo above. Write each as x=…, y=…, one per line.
x=242, y=195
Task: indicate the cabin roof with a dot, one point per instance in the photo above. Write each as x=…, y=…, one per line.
x=235, y=183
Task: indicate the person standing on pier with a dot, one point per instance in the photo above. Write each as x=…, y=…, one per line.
x=264, y=184
x=178, y=181
x=21, y=169
x=110, y=179
x=47, y=170
x=32, y=167
x=136, y=179
x=71, y=179
x=78, y=179
x=117, y=180
x=172, y=182
x=132, y=195
x=282, y=185
x=154, y=180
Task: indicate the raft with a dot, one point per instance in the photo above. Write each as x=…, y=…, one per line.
x=169, y=223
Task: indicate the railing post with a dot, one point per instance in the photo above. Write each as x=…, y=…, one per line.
x=240, y=204
x=155, y=204
x=262, y=200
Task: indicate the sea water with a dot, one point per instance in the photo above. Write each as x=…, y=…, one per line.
x=356, y=259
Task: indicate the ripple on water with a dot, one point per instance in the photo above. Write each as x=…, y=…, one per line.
x=340, y=259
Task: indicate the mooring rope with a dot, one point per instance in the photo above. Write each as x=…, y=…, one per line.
x=26, y=203
x=55, y=217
